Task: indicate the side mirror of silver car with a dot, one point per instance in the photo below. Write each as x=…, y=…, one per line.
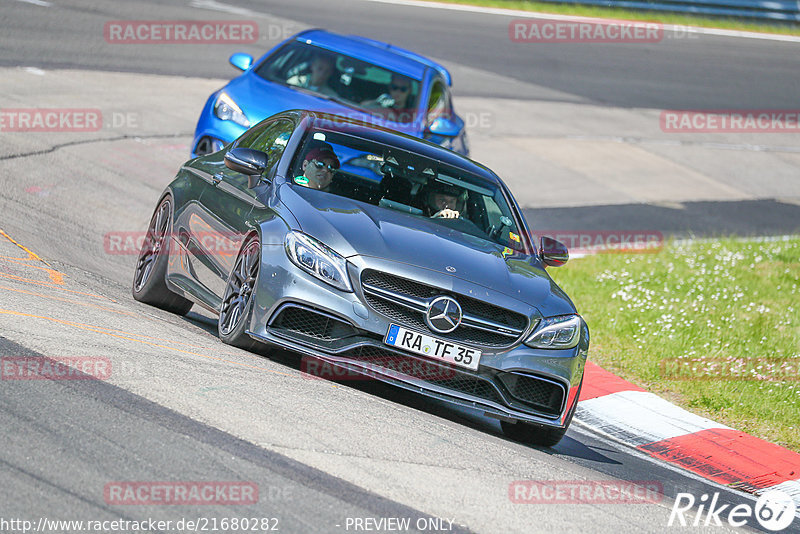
x=246, y=161
x=553, y=253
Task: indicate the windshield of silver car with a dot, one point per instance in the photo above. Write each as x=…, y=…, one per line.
x=394, y=179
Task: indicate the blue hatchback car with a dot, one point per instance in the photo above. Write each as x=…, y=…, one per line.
x=351, y=76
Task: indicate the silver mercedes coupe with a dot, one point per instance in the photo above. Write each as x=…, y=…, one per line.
x=369, y=251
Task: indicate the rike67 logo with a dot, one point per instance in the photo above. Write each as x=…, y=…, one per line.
x=774, y=511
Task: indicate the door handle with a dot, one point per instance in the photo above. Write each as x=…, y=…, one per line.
x=216, y=179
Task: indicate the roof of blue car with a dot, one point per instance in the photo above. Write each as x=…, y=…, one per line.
x=377, y=52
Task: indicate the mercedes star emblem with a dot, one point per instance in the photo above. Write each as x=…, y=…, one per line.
x=443, y=315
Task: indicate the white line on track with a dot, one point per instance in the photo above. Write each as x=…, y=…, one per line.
x=640, y=417
x=41, y=3
x=219, y=6
x=34, y=70
x=597, y=20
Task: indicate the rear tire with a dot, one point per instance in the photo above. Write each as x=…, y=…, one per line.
x=149, y=277
x=237, y=301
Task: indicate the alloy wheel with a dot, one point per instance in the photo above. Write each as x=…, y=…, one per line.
x=240, y=288
x=153, y=245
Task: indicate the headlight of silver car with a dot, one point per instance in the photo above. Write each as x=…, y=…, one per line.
x=563, y=332
x=318, y=259
x=226, y=109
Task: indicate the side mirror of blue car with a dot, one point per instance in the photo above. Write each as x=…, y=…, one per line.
x=241, y=61
x=445, y=127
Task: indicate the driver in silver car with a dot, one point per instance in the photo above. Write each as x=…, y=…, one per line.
x=445, y=201
x=319, y=164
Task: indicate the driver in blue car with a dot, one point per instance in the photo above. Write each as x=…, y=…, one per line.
x=319, y=164
x=320, y=72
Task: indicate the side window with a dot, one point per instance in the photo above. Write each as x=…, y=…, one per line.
x=501, y=225
x=438, y=102
x=271, y=139
x=286, y=62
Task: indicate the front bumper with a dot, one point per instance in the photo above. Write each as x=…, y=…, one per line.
x=514, y=383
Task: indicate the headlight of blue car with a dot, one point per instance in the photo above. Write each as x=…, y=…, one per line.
x=562, y=332
x=318, y=259
x=226, y=109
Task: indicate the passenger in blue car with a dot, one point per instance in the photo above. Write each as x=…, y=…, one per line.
x=319, y=164
x=320, y=71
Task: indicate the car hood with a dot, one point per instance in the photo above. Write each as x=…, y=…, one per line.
x=355, y=228
x=260, y=99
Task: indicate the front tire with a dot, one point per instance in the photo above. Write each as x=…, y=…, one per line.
x=237, y=301
x=149, y=277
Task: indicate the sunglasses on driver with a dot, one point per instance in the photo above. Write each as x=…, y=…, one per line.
x=321, y=165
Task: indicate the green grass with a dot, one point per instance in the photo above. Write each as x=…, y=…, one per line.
x=725, y=302
x=628, y=14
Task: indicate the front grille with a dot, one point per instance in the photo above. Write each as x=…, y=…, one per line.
x=440, y=375
x=311, y=323
x=539, y=393
x=405, y=301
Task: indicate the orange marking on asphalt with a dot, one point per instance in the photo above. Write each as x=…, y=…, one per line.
x=50, y=284
x=56, y=276
x=133, y=314
x=100, y=330
x=69, y=300
x=105, y=329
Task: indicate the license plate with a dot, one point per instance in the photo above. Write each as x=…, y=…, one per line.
x=438, y=349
